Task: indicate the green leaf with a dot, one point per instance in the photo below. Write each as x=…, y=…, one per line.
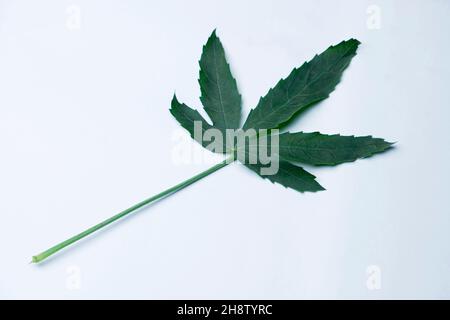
x=220, y=96
x=310, y=83
x=321, y=149
x=290, y=176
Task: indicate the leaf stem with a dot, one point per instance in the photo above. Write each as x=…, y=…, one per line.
x=47, y=253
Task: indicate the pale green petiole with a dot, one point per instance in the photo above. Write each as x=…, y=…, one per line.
x=47, y=253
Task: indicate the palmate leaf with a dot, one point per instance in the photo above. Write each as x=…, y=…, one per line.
x=220, y=96
x=304, y=86
x=310, y=83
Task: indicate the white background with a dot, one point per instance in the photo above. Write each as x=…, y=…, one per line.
x=85, y=132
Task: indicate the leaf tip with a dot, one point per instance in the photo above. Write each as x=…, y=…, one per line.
x=174, y=99
x=389, y=145
x=354, y=41
x=213, y=36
